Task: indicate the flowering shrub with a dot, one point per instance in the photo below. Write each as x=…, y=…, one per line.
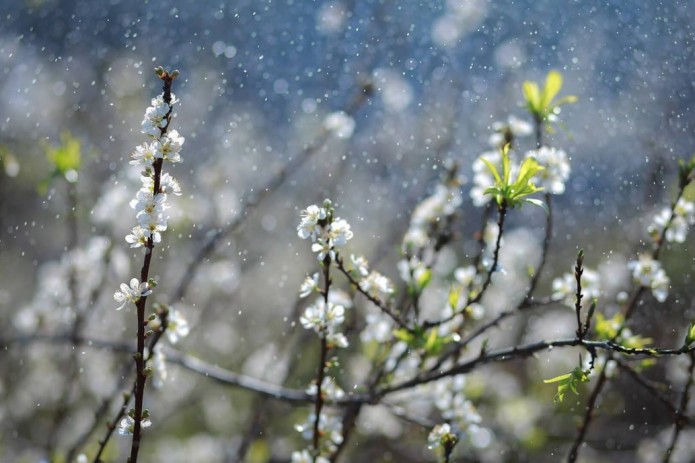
x=387, y=360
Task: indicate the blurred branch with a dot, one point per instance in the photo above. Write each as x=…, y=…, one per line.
x=679, y=420
x=231, y=378
x=227, y=377
x=650, y=386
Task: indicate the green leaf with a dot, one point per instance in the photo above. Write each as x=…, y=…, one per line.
x=542, y=104
x=434, y=343
x=404, y=335
x=423, y=279
x=568, y=382
x=608, y=328
x=539, y=203
x=553, y=84
x=533, y=96
x=528, y=169
x=493, y=170
x=558, y=378
x=506, y=164
x=454, y=296
x=569, y=99
x=690, y=335
x=67, y=157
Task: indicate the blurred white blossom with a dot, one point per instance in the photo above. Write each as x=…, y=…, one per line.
x=682, y=217
x=309, y=285
x=340, y=124
x=556, y=169
x=647, y=272
x=513, y=128
x=565, y=287
x=127, y=425
x=482, y=177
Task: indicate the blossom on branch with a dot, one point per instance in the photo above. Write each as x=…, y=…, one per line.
x=131, y=293
x=647, y=272
x=556, y=169
x=678, y=222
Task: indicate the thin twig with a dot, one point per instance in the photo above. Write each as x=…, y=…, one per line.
x=502, y=213
x=679, y=421
x=375, y=300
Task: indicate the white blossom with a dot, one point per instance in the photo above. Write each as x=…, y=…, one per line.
x=682, y=217
x=378, y=327
x=304, y=456
x=376, y=285
x=155, y=117
x=556, y=169
x=144, y=155
x=137, y=237
x=131, y=293
x=647, y=272
x=465, y=275
x=359, y=265
x=432, y=210
x=565, y=287
x=309, y=225
x=168, y=184
x=159, y=367
x=321, y=317
x=330, y=427
x=177, y=326
x=323, y=248
x=329, y=389
x=309, y=285
x=169, y=146
x=340, y=124
x=148, y=204
x=439, y=434
x=339, y=232
x=518, y=128
x=127, y=425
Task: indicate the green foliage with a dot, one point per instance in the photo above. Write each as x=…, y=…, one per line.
x=421, y=278
x=422, y=339
x=541, y=103
x=66, y=159
x=608, y=328
x=513, y=192
x=686, y=172
x=690, y=335
x=568, y=382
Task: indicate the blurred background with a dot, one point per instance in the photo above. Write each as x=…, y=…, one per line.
x=421, y=83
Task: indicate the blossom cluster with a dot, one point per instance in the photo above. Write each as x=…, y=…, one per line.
x=647, y=272
x=330, y=426
x=370, y=281
x=150, y=206
x=325, y=231
x=325, y=319
x=506, y=132
x=433, y=211
x=675, y=222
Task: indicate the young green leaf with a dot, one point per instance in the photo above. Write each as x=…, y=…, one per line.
x=568, y=382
